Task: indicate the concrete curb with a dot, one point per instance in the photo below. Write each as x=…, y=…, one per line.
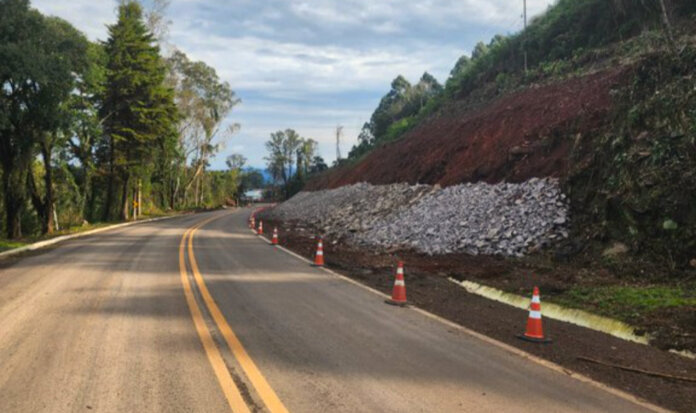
x=56, y=240
x=569, y=315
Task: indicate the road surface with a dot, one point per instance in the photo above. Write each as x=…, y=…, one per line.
x=165, y=317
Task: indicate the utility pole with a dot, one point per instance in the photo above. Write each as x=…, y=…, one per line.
x=339, y=132
x=524, y=34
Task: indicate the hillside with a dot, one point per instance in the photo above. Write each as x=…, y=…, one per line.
x=515, y=137
x=612, y=117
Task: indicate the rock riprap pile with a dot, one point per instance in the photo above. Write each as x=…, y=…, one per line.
x=501, y=219
x=348, y=209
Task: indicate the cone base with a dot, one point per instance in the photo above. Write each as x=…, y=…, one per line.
x=545, y=340
x=396, y=303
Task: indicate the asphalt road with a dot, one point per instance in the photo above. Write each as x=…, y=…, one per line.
x=136, y=320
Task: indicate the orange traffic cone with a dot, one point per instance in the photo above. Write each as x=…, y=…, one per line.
x=535, y=331
x=319, y=257
x=399, y=291
x=260, y=232
x=274, y=240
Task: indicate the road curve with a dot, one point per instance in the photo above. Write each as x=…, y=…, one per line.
x=103, y=323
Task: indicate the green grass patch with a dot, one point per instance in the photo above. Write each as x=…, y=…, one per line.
x=627, y=303
x=9, y=244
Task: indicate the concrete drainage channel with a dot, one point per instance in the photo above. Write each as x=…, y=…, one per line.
x=581, y=318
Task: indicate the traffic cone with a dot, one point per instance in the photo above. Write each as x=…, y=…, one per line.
x=399, y=291
x=260, y=232
x=319, y=257
x=274, y=240
x=535, y=331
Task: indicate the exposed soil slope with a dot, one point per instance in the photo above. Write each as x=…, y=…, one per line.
x=518, y=136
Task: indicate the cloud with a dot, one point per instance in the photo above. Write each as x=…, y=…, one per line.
x=311, y=65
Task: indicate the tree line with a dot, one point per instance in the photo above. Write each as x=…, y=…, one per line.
x=102, y=131
x=291, y=160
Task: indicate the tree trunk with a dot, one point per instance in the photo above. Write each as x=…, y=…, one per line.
x=13, y=212
x=196, y=192
x=175, y=193
x=125, y=199
x=13, y=187
x=106, y=215
x=140, y=198
x=48, y=201
x=36, y=200
x=668, y=26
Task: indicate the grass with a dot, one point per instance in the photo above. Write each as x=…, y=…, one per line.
x=10, y=244
x=627, y=303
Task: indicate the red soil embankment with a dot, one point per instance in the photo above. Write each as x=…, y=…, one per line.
x=518, y=136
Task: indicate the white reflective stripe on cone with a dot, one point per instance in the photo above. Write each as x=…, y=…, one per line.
x=535, y=299
x=535, y=314
x=320, y=252
x=400, y=283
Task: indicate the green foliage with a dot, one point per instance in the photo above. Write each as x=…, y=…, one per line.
x=637, y=182
x=138, y=110
x=204, y=101
x=628, y=303
x=251, y=179
x=38, y=59
x=392, y=117
x=83, y=126
x=291, y=159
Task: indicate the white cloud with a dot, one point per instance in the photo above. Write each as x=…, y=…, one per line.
x=310, y=65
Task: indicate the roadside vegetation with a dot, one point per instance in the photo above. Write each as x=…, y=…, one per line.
x=109, y=130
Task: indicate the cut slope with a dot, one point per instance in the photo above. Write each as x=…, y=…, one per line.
x=518, y=136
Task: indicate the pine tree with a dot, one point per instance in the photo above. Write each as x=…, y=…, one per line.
x=139, y=110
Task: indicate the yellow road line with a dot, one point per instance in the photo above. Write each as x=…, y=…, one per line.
x=229, y=388
x=269, y=397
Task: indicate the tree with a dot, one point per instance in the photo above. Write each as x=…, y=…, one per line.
x=389, y=107
x=38, y=59
x=66, y=48
x=204, y=102
x=236, y=161
x=479, y=51
x=86, y=124
x=305, y=155
x=461, y=65
x=252, y=179
x=318, y=165
x=282, y=150
x=139, y=111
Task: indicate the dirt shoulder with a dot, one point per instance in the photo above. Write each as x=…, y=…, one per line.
x=428, y=287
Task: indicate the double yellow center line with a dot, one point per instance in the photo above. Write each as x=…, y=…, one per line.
x=229, y=388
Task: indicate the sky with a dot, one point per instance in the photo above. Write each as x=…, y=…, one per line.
x=313, y=65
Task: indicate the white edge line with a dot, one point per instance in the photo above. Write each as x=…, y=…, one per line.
x=514, y=350
x=56, y=240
